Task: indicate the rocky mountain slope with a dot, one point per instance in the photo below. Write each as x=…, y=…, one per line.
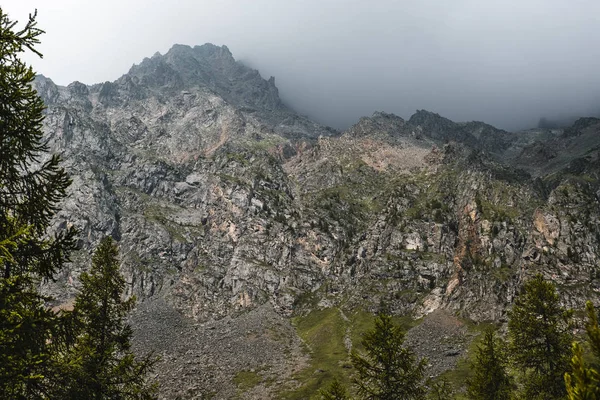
x=228, y=206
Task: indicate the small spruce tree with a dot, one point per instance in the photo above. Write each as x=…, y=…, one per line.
x=101, y=364
x=490, y=380
x=440, y=390
x=388, y=370
x=335, y=391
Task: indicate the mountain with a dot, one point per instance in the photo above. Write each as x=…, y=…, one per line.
x=247, y=230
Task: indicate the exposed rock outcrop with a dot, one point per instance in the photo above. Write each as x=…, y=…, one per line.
x=224, y=201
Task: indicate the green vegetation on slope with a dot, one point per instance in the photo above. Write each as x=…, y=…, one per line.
x=326, y=333
x=323, y=332
x=246, y=380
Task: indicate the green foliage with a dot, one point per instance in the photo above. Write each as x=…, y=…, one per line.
x=335, y=391
x=31, y=336
x=539, y=332
x=592, y=329
x=27, y=328
x=100, y=363
x=29, y=191
x=496, y=212
x=388, y=370
x=246, y=380
x=43, y=355
x=490, y=380
x=583, y=383
x=440, y=390
x=323, y=332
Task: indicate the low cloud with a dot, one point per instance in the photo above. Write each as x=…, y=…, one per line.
x=507, y=63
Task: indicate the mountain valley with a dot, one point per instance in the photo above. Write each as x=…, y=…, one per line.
x=259, y=243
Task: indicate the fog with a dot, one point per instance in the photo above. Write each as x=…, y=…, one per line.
x=507, y=63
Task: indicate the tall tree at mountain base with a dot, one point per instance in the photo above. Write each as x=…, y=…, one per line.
x=490, y=380
x=540, y=336
x=388, y=370
x=30, y=189
x=101, y=364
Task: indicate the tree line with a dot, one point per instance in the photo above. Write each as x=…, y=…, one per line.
x=539, y=359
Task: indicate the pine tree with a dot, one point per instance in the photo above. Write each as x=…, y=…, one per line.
x=388, y=370
x=335, y=391
x=490, y=380
x=30, y=190
x=539, y=332
x=440, y=390
x=101, y=364
x=583, y=383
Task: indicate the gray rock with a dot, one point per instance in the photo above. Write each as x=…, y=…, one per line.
x=226, y=203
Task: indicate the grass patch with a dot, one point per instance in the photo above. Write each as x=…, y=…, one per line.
x=246, y=380
x=323, y=332
x=266, y=143
x=362, y=322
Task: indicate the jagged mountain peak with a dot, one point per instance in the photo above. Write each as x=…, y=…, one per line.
x=178, y=53
x=46, y=88
x=190, y=83
x=205, y=51
x=380, y=124
x=474, y=134
x=427, y=126
x=424, y=116
x=382, y=115
x=213, y=67
x=580, y=125
x=438, y=122
x=440, y=128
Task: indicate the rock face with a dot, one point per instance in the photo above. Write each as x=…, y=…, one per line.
x=225, y=201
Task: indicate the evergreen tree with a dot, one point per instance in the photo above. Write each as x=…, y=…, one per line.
x=593, y=330
x=583, y=383
x=30, y=189
x=101, y=364
x=388, y=370
x=440, y=390
x=539, y=331
x=490, y=380
x=335, y=391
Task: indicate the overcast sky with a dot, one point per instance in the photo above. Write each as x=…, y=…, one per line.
x=505, y=62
